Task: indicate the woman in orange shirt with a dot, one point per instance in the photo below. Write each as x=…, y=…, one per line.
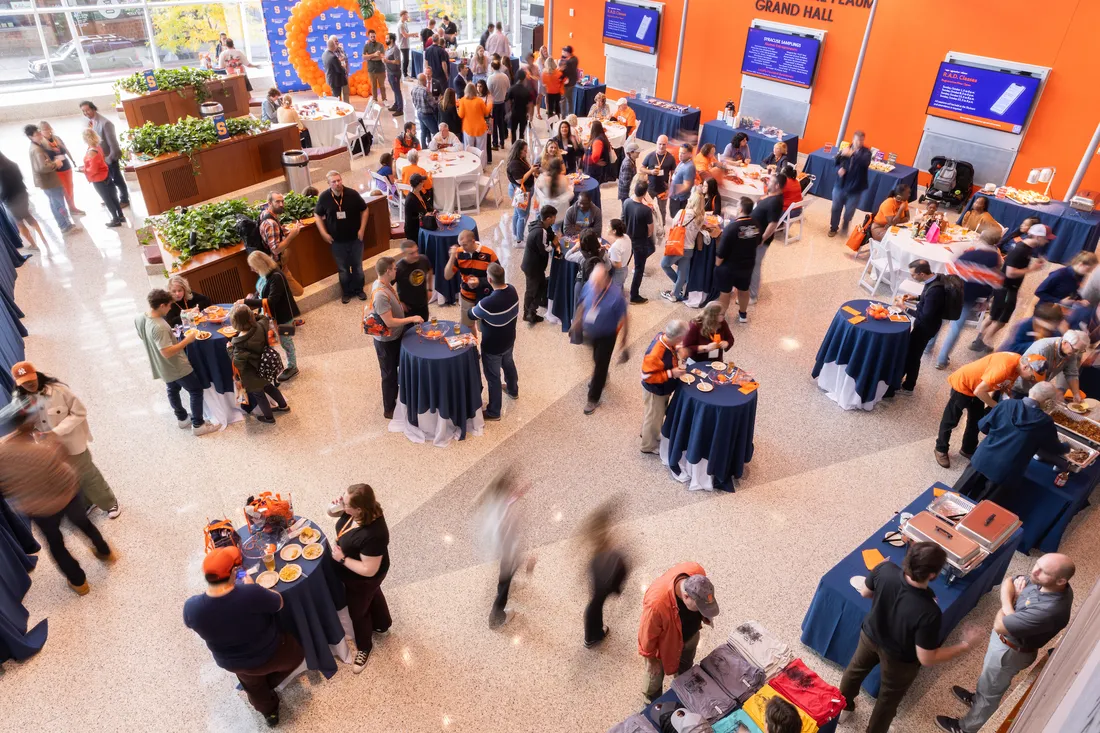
x=552, y=80
x=893, y=211
x=706, y=163
x=473, y=112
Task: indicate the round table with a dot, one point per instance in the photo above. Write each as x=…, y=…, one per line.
x=732, y=192
x=326, y=120
x=858, y=362
x=439, y=395
x=707, y=437
x=436, y=246
x=560, y=303
x=701, y=288
x=446, y=168
x=310, y=606
x=903, y=249
x=615, y=131
x=588, y=185
x=210, y=360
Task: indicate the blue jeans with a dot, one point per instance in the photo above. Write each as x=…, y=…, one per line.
x=395, y=85
x=848, y=202
x=194, y=391
x=491, y=364
x=952, y=336
x=429, y=125
x=287, y=342
x=519, y=216
x=59, y=208
x=679, y=274
x=349, y=266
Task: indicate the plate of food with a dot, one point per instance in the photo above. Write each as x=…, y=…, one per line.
x=721, y=378
x=199, y=335
x=699, y=373
x=227, y=331
x=267, y=579
x=291, y=553
x=1079, y=408
x=704, y=386
x=718, y=366
x=213, y=310
x=290, y=572
x=687, y=378
x=308, y=536
x=312, y=552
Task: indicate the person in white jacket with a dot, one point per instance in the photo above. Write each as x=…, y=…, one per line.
x=553, y=188
x=60, y=412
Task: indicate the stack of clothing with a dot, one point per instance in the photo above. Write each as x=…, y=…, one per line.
x=761, y=648
x=637, y=723
x=738, y=722
x=811, y=694
x=735, y=674
x=702, y=695
x=755, y=705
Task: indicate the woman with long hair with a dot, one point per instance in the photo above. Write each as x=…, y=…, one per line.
x=448, y=111
x=479, y=64
x=183, y=298
x=570, y=145
x=549, y=152
x=597, y=156
x=677, y=266
x=98, y=174
x=271, y=286
x=482, y=90
x=361, y=551
x=554, y=189
x=708, y=335
x=552, y=84
x=246, y=350
x=712, y=197
x=521, y=176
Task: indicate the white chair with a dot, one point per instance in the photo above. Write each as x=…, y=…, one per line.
x=880, y=268
x=794, y=214
x=491, y=182
x=469, y=186
x=393, y=196
x=352, y=132
x=372, y=120
x=478, y=152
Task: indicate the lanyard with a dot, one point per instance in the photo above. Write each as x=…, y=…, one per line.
x=338, y=201
x=347, y=528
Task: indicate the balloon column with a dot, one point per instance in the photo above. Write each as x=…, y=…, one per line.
x=298, y=50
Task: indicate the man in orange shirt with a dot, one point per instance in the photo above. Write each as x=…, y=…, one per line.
x=414, y=167
x=894, y=210
x=972, y=390
x=406, y=141
x=661, y=371
x=626, y=116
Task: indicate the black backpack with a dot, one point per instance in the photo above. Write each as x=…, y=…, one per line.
x=362, y=144
x=248, y=229
x=953, y=297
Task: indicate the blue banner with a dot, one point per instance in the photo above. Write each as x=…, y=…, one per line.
x=219, y=126
x=631, y=26
x=344, y=24
x=780, y=57
x=992, y=99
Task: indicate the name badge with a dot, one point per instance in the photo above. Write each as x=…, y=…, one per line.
x=341, y=215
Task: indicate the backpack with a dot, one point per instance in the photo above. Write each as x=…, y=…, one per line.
x=362, y=143
x=860, y=235
x=220, y=533
x=953, y=297
x=248, y=229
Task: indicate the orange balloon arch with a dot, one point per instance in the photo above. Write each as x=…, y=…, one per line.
x=297, y=30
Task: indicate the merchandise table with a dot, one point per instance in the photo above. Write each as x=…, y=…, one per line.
x=654, y=121
x=332, y=117
x=707, y=437
x=584, y=96
x=858, y=362
x=879, y=184
x=560, y=303
x=210, y=360
x=701, y=288
x=16, y=562
x=904, y=249
x=832, y=623
x=310, y=606
x=436, y=246
x=445, y=169
x=588, y=185
x=440, y=390
x=760, y=145
x=1075, y=231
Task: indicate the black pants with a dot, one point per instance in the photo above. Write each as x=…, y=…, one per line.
x=553, y=105
x=114, y=175
x=897, y=676
x=110, y=197
x=404, y=62
x=389, y=356
x=259, y=683
x=500, y=125
x=534, y=295
x=518, y=126
x=51, y=527
x=259, y=399
x=918, y=340
x=957, y=404
x=974, y=485
x=602, y=349
x=305, y=139
x=641, y=254
x=508, y=569
x=368, y=610
x=607, y=572
x=674, y=206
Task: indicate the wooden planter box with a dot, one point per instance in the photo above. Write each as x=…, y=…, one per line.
x=240, y=162
x=166, y=107
x=224, y=277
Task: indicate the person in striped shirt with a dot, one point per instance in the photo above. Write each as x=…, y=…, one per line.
x=470, y=261
x=660, y=371
x=498, y=312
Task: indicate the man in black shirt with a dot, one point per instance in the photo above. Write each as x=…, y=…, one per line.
x=541, y=239
x=659, y=165
x=438, y=60
x=519, y=95
x=1018, y=263
x=735, y=259
x=427, y=32
x=498, y=312
x=450, y=32
x=415, y=280
x=638, y=220
x=485, y=36
x=926, y=322
x=570, y=71
x=342, y=222
x=767, y=213
x=901, y=633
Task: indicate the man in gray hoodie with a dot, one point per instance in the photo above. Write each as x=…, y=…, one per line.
x=112, y=153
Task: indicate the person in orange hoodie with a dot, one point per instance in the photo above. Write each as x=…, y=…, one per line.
x=674, y=609
x=406, y=141
x=661, y=371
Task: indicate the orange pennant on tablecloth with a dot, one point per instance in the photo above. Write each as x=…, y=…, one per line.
x=872, y=558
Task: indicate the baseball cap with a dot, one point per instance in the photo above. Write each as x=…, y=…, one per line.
x=632, y=147
x=1038, y=365
x=219, y=563
x=24, y=372
x=416, y=179
x=1037, y=230
x=567, y=49
x=701, y=590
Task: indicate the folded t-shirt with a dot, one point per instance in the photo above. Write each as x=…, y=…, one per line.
x=735, y=674
x=756, y=704
x=761, y=647
x=700, y=694
x=801, y=685
x=736, y=722
x=636, y=723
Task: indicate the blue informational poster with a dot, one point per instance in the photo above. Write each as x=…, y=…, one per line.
x=339, y=22
x=781, y=57
x=631, y=26
x=219, y=126
x=993, y=99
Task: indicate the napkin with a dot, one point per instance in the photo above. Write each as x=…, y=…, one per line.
x=850, y=309
x=898, y=318
x=748, y=388
x=937, y=493
x=856, y=319
x=872, y=558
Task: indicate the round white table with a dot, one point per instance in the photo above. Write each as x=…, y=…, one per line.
x=904, y=249
x=446, y=169
x=326, y=120
x=732, y=192
x=615, y=131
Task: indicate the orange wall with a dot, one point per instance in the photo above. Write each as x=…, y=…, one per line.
x=898, y=72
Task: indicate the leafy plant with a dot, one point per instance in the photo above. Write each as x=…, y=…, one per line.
x=188, y=136
x=169, y=80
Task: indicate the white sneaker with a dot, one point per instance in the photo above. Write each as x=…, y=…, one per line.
x=204, y=429
x=742, y=318
x=667, y=295
x=184, y=424
x=360, y=662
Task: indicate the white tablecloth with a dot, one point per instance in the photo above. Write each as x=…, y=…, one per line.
x=328, y=130
x=445, y=172
x=732, y=192
x=904, y=249
x=615, y=131
x=431, y=427
x=841, y=388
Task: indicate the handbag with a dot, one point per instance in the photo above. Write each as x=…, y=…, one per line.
x=271, y=365
x=520, y=200
x=373, y=325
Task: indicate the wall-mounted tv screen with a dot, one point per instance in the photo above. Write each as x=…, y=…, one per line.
x=781, y=57
x=631, y=26
x=997, y=100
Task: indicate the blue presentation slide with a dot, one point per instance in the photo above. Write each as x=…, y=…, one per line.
x=982, y=97
x=780, y=57
x=631, y=27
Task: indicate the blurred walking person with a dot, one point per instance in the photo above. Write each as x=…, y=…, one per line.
x=607, y=570
x=501, y=528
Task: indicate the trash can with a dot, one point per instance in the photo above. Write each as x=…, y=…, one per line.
x=296, y=170
x=210, y=109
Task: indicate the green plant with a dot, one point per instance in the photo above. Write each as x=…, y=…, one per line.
x=169, y=80
x=187, y=136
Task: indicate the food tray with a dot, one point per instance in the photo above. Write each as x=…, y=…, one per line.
x=1081, y=427
x=951, y=506
x=1075, y=444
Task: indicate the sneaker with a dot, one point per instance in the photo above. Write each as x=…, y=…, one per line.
x=288, y=373
x=204, y=429
x=512, y=396
x=360, y=662
x=591, y=407
x=977, y=345
x=76, y=211
x=951, y=725
x=81, y=590
x=967, y=456
x=942, y=459
x=497, y=619
x=742, y=317
x=491, y=418
x=345, y=299
x=184, y=424
x=299, y=322
x=942, y=366
x=965, y=696
x=272, y=719
x=382, y=632
x=265, y=420
x=832, y=233
x=753, y=299
x=361, y=295
x=667, y=295
x=113, y=512
x=590, y=644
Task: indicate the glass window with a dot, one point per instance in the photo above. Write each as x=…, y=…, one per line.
x=19, y=47
x=114, y=41
x=183, y=32
x=256, y=32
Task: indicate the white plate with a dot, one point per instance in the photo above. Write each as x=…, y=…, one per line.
x=687, y=378
x=705, y=386
x=290, y=553
x=718, y=366
x=859, y=582
x=267, y=579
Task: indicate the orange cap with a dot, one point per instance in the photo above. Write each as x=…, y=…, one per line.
x=219, y=563
x=24, y=372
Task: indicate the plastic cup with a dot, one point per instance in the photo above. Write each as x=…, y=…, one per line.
x=269, y=560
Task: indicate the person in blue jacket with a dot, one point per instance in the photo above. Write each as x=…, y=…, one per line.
x=1063, y=285
x=1046, y=321
x=1017, y=430
x=851, y=170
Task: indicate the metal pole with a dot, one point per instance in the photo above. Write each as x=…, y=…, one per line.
x=855, y=76
x=153, y=50
x=549, y=26
x=679, y=54
x=1080, y=174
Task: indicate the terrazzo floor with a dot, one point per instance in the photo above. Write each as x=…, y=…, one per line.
x=821, y=480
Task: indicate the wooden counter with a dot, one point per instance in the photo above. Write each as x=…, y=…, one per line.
x=240, y=162
x=223, y=275
x=166, y=107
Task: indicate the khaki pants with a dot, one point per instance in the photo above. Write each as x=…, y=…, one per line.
x=92, y=484
x=655, y=680
x=464, y=311
x=652, y=419
x=897, y=676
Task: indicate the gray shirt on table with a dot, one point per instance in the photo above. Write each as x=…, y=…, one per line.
x=1039, y=616
x=385, y=300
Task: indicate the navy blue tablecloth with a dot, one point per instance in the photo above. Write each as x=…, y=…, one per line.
x=655, y=121
x=16, y=561
x=436, y=246
x=701, y=271
x=1074, y=231
x=879, y=184
x=9, y=235
x=590, y=186
x=715, y=426
x=12, y=330
x=760, y=145
x=210, y=359
x=559, y=290
x=416, y=60
x=584, y=96
x=832, y=623
x=310, y=604
x=434, y=378
x=871, y=351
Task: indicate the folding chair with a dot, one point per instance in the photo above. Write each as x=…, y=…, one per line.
x=469, y=186
x=879, y=267
x=372, y=120
x=478, y=152
x=392, y=196
x=492, y=182
x=794, y=213
x=352, y=132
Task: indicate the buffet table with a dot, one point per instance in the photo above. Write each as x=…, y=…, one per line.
x=654, y=121
x=326, y=120
x=1076, y=231
x=832, y=623
x=760, y=145
x=167, y=106
x=1046, y=509
x=435, y=244
x=879, y=184
x=170, y=180
x=858, y=362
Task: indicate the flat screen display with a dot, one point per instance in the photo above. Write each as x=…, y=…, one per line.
x=631, y=26
x=781, y=57
x=993, y=99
